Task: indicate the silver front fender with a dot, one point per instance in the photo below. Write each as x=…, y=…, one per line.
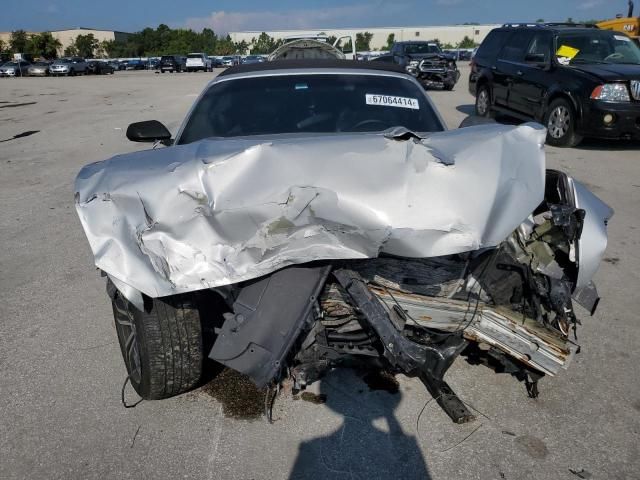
x=593, y=240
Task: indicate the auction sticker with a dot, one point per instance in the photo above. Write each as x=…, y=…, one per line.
x=391, y=101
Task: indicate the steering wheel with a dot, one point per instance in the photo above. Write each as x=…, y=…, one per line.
x=371, y=121
x=614, y=56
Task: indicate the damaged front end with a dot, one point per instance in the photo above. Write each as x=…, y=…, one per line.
x=420, y=250
x=435, y=70
x=513, y=303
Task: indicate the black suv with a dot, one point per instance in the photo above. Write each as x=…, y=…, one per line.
x=577, y=80
x=171, y=63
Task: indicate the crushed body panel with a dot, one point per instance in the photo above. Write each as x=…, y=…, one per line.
x=222, y=211
x=395, y=250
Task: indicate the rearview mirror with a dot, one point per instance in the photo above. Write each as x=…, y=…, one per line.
x=148, y=131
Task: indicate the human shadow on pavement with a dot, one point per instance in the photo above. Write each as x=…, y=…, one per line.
x=369, y=444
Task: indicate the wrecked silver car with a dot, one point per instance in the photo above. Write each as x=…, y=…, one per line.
x=310, y=215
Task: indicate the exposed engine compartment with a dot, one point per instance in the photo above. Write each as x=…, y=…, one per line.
x=435, y=70
x=512, y=303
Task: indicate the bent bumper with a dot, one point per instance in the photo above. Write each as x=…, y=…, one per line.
x=439, y=76
x=625, y=124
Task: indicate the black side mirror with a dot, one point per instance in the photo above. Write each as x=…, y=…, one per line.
x=149, y=131
x=537, y=59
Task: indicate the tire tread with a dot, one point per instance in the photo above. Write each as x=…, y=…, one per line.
x=170, y=345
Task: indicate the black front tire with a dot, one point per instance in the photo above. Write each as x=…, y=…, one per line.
x=163, y=346
x=560, y=120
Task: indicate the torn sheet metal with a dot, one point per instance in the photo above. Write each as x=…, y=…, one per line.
x=221, y=211
x=521, y=337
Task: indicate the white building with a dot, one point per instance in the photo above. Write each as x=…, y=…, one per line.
x=452, y=34
x=68, y=36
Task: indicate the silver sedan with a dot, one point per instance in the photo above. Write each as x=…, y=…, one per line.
x=14, y=69
x=39, y=69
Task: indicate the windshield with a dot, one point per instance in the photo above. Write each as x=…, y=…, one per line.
x=305, y=103
x=194, y=55
x=421, y=48
x=227, y=58
x=596, y=46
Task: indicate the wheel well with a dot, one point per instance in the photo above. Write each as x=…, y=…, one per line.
x=481, y=82
x=564, y=96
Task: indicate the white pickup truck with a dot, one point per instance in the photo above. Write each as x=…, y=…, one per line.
x=198, y=61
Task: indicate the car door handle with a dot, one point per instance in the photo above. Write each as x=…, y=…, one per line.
x=519, y=73
x=494, y=68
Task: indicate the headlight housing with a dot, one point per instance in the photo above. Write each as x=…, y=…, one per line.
x=414, y=63
x=611, y=92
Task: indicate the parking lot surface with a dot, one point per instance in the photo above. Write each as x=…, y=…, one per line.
x=61, y=370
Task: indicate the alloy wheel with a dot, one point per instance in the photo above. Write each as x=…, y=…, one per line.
x=482, y=103
x=559, y=121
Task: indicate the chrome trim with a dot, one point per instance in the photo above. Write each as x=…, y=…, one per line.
x=635, y=89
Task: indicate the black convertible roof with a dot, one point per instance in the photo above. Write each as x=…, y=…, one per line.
x=316, y=63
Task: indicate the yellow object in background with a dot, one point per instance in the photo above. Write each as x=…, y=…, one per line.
x=567, y=52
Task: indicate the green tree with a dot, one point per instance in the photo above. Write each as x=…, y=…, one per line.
x=85, y=45
x=43, y=45
x=363, y=41
x=209, y=39
x=2, y=45
x=448, y=46
x=391, y=40
x=225, y=46
x=164, y=40
x=111, y=48
x=540, y=20
x=18, y=41
x=467, y=43
x=264, y=44
x=71, y=51
x=242, y=47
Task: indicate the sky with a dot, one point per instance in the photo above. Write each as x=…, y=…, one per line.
x=234, y=15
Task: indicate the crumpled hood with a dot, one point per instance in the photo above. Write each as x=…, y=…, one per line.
x=430, y=56
x=221, y=211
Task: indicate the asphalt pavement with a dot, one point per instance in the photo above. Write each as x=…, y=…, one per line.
x=61, y=371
